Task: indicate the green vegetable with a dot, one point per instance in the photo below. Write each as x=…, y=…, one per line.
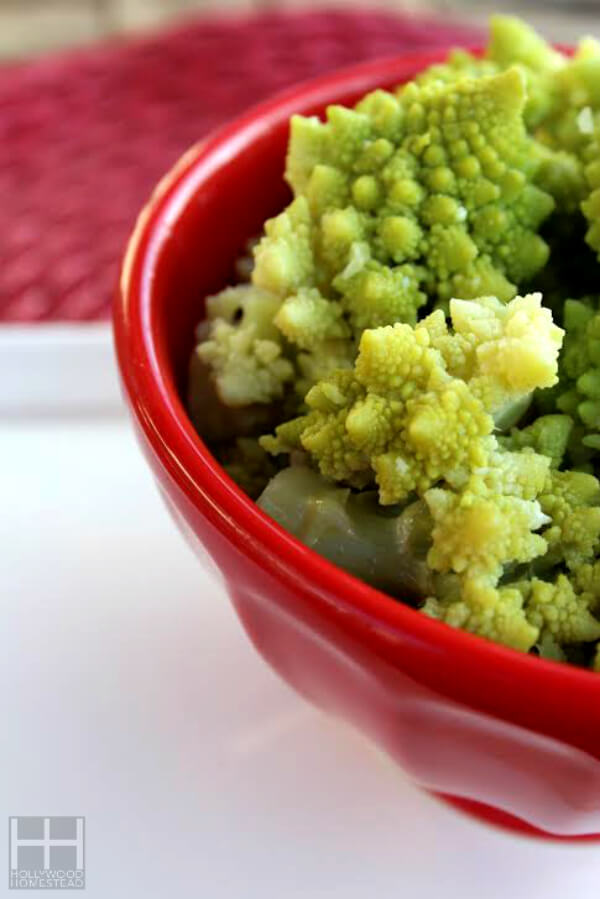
x=386, y=548
x=428, y=192
x=420, y=403
x=495, y=614
x=243, y=347
x=410, y=381
x=548, y=435
x=213, y=418
x=579, y=395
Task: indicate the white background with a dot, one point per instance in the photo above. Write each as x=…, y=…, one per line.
x=131, y=695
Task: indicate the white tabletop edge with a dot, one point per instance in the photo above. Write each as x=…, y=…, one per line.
x=58, y=369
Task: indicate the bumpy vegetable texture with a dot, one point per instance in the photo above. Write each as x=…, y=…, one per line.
x=380, y=385
x=579, y=394
x=419, y=404
x=427, y=193
x=562, y=112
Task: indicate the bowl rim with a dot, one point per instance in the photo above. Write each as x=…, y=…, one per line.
x=161, y=414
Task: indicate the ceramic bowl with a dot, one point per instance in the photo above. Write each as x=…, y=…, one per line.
x=509, y=737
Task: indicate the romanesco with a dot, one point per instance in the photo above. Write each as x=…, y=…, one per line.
x=556, y=609
x=243, y=347
x=562, y=111
x=430, y=430
x=579, y=394
x=419, y=404
x=512, y=43
x=482, y=609
x=425, y=193
x=571, y=500
x=548, y=435
x=477, y=533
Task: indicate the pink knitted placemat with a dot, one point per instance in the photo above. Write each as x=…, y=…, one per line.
x=85, y=136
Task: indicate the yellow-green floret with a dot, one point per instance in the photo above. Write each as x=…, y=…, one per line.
x=420, y=403
x=420, y=195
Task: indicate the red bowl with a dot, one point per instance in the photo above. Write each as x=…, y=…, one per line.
x=510, y=737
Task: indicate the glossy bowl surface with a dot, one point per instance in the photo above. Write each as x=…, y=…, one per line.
x=514, y=738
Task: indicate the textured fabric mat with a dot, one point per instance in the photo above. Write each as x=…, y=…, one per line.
x=85, y=136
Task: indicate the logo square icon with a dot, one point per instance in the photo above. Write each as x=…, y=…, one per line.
x=46, y=853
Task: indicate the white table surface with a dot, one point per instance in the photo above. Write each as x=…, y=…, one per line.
x=131, y=695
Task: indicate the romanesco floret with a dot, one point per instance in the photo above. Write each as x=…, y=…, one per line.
x=439, y=175
x=556, y=609
x=571, y=500
x=307, y=319
x=482, y=538
x=562, y=99
x=243, y=347
x=214, y=419
x=419, y=404
x=283, y=259
x=563, y=114
x=478, y=533
x=512, y=43
x=514, y=351
x=380, y=295
x=579, y=394
x=548, y=435
x=496, y=614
